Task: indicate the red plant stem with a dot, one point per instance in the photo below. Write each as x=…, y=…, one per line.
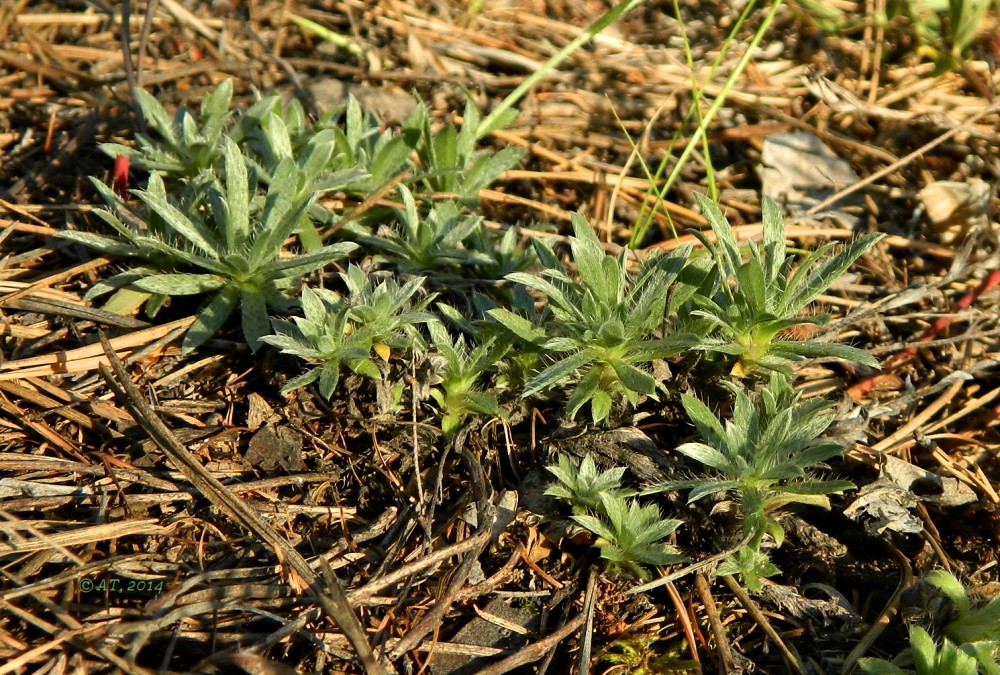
x=867, y=384
x=120, y=179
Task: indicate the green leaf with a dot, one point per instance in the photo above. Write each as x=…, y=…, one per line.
x=466, y=141
x=923, y=649
x=278, y=138
x=483, y=404
x=986, y=654
x=750, y=286
x=725, y=239
x=589, y=258
x=317, y=154
x=705, y=487
x=827, y=349
x=600, y=405
x=150, y=245
x=706, y=422
x=278, y=224
x=965, y=18
x=445, y=158
x=661, y=348
x=180, y=284
x=585, y=390
x=488, y=168
x=774, y=241
x=557, y=372
x=156, y=116
x=635, y=379
x=705, y=454
x=554, y=293
x=303, y=380
x=595, y=525
x=391, y=157
x=256, y=325
x=329, y=378
x=177, y=221
x=980, y=625
x=237, y=226
x=518, y=326
x=827, y=273
x=873, y=666
x=211, y=319
x=367, y=368
x=106, y=245
x=300, y=265
x=215, y=109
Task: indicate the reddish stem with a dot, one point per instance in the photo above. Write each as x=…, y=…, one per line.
x=866, y=385
x=120, y=178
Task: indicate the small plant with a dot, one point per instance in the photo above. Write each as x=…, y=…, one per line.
x=603, y=326
x=458, y=369
x=763, y=455
x=582, y=486
x=356, y=148
x=976, y=632
x=972, y=626
x=343, y=330
x=944, y=42
x=222, y=240
x=927, y=659
x=431, y=242
x=630, y=535
x=636, y=655
x=758, y=299
x=498, y=256
x=184, y=145
x=449, y=158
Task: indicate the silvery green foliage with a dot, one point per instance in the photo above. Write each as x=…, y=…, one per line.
x=751, y=302
x=459, y=368
x=582, y=486
x=631, y=535
x=449, y=159
x=602, y=327
x=763, y=455
x=358, y=156
x=446, y=239
x=226, y=240
x=344, y=329
x=185, y=144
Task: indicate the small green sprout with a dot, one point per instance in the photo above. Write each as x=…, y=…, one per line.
x=602, y=327
x=431, y=242
x=758, y=299
x=927, y=659
x=449, y=158
x=343, y=330
x=582, y=486
x=459, y=368
x=184, y=145
x=980, y=625
x=225, y=241
x=763, y=455
x=630, y=535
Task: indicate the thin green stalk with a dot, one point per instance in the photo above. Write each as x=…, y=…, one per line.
x=699, y=133
x=643, y=221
